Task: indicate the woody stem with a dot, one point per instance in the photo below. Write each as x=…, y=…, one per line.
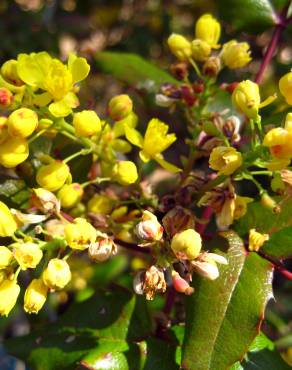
x=280, y=26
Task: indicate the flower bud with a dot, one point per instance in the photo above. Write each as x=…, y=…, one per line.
x=9, y=72
x=120, y=107
x=28, y=255
x=125, y=172
x=235, y=54
x=101, y=204
x=45, y=200
x=57, y=274
x=186, y=244
x=225, y=160
x=13, y=151
x=268, y=202
x=86, y=123
x=285, y=86
x=22, y=122
x=70, y=195
x=149, y=228
x=8, y=224
x=35, y=296
x=208, y=29
x=181, y=285
x=246, y=98
x=6, y=97
x=80, y=234
x=179, y=46
x=6, y=257
x=52, y=176
x=277, y=183
x=3, y=129
x=102, y=248
x=200, y=50
x=212, y=66
x=179, y=70
x=279, y=141
x=9, y=291
x=256, y=240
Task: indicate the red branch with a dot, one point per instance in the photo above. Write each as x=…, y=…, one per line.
x=282, y=23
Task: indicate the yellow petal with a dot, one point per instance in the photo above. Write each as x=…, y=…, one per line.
x=78, y=67
x=133, y=136
x=42, y=99
x=168, y=166
x=63, y=107
x=121, y=146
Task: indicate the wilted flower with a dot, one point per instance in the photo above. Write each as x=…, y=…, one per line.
x=102, y=248
x=206, y=265
x=256, y=240
x=150, y=282
x=177, y=220
x=149, y=228
x=45, y=200
x=225, y=160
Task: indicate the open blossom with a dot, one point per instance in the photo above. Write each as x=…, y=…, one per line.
x=225, y=160
x=80, y=234
x=285, y=86
x=235, y=54
x=28, y=254
x=35, y=296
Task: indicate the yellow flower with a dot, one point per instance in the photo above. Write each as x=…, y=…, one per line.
x=9, y=291
x=120, y=107
x=279, y=141
x=285, y=86
x=100, y=203
x=208, y=29
x=186, y=244
x=57, y=80
x=80, y=234
x=256, y=240
x=86, y=123
x=8, y=224
x=13, y=151
x=241, y=206
x=70, y=195
x=9, y=72
x=119, y=127
x=288, y=122
x=200, y=50
x=155, y=141
x=28, y=255
x=235, y=54
x=57, y=274
x=125, y=172
x=6, y=257
x=35, y=296
x=179, y=46
x=22, y=122
x=53, y=176
x=246, y=98
x=225, y=160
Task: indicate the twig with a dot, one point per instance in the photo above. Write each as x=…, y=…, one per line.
x=282, y=22
x=132, y=247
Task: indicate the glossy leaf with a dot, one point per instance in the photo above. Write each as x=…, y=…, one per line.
x=224, y=316
x=263, y=219
x=280, y=244
x=261, y=355
x=133, y=69
x=248, y=15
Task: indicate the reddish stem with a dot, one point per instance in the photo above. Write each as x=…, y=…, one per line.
x=287, y=274
x=206, y=216
x=282, y=22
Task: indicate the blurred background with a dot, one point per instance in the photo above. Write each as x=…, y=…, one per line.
x=142, y=27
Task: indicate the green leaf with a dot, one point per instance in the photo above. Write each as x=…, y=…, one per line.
x=132, y=69
x=105, y=316
x=248, y=15
x=280, y=244
x=160, y=355
x=224, y=316
x=261, y=355
x=263, y=219
x=14, y=193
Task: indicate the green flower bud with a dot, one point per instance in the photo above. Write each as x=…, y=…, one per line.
x=186, y=244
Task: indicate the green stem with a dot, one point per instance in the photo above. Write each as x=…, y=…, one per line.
x=38, y=134
x=98, y=180
x=268, y=173
x=77, y=154
x=196, y=68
